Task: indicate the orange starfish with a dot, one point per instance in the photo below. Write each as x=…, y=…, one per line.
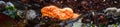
x=63, y=14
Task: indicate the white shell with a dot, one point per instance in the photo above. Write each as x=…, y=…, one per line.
x=31, y=14
x=110, y=9
x=117, y=12
x=9, y=4
x=2, y=2
x=20, y=13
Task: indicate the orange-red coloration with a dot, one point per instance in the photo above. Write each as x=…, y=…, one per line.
x=63, y=14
